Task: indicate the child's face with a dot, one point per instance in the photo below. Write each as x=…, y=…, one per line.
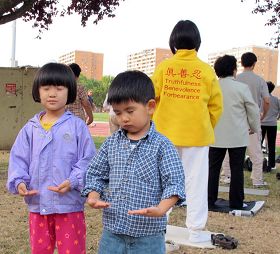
x=53, y=98
x=134, y=117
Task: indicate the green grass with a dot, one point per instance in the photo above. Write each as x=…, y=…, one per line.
x=101, y=117
x=98, y=141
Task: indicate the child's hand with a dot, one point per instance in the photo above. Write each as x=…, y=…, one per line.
x=153, y=211
x=62, y=188
x=22, y=190
x=97, y=203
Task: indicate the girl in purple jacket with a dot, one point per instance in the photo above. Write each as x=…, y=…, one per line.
x=48, y=162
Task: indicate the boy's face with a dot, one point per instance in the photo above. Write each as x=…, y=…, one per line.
x=134, y=117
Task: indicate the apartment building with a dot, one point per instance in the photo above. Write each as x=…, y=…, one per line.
x=90, y=63
x=266, y=66
x=147, y=60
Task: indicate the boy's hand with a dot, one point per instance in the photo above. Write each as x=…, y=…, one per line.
x=153, y=211
x=62, y=188
x=97, y=203
x=22, y=190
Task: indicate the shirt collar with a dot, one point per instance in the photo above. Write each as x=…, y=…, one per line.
x=147, y=136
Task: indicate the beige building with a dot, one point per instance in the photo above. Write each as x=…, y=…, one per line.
x=267, y=63
x=146, y=60
x=90, y=63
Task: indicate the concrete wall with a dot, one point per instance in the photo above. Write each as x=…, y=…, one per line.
x=16, y=103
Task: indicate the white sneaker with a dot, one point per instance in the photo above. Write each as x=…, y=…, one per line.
x=225, y=180
x=171, y=246
x=198, y=236
x=260, y=184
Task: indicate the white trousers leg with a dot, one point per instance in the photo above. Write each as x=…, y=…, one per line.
x=256, y=156
x=195, y=163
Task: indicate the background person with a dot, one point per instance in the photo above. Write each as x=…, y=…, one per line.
x=48, y=162
x=259, y=91
x=189, y=105
x=240, y=114
x=269, y=126
x=113, y=122
x=81, y=105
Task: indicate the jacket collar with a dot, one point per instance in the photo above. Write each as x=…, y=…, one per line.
x=185, y=54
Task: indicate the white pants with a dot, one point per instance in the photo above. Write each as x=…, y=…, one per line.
x=256, y=156
x=195, y=163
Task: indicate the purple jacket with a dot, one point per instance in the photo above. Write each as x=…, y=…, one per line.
x=42, y=158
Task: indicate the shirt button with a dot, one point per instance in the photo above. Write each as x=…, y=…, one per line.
x=44, y=210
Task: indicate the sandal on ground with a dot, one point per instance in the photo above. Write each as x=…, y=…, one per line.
x=224, y=241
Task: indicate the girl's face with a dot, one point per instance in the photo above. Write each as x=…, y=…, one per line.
x=53, y=98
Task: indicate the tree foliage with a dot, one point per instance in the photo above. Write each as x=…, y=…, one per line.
x=42, y=12
x=272, y=9
x=99, y=88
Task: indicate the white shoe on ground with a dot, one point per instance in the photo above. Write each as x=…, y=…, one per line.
x=171, y=246
x=260, y=184
x=199, y=236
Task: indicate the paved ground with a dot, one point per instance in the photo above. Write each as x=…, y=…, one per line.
x=100, y=129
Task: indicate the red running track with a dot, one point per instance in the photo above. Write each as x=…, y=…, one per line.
x=100, y=129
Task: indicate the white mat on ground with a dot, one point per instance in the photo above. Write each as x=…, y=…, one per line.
x=247, y=191
x=180, y=236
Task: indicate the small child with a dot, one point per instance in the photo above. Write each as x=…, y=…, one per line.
x=137, y=175
x=48, y=162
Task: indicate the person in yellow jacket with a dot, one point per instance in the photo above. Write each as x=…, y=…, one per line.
x=189, y=104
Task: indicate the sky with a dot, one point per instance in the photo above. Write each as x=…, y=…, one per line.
x=138, y=25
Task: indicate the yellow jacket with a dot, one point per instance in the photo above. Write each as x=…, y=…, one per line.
x=189, y=99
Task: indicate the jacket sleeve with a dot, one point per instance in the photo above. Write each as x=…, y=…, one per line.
x=252, y=109
x=19, y=161
x=97, y=176
x=86, y=151
x=215, y=104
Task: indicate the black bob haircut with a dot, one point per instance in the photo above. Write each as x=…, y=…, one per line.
x=131, y=86
x=225, y=66
x=248, y=59
x=185, y=35
x=270, y=86
x=55, y=74
x=76, y=69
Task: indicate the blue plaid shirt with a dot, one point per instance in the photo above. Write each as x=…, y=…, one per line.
x=135, y=177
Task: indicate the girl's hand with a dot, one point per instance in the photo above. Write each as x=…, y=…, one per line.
x=153, y=211
x=22, y=190
x=62, y=188
x=97, y=203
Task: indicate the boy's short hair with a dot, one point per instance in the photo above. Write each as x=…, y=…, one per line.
x=270, y=86
x=248, y=59
x=55, y=74
x=185, y=35
x=76, y=69
x=131, y=86
x=225, y=66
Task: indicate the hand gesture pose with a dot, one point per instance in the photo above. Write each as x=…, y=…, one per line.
x=62, y=188
x=22, y=190
x=95, y=202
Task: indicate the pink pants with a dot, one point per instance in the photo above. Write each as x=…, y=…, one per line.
x=66, y=231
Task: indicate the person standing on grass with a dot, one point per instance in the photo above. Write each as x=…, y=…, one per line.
x=48, y=162
x=269, y=126
x=240, y=114
x=189, y=105
x=259, y=90
x=137, y=174
x=81, y=106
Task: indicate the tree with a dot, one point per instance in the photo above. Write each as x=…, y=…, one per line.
x=42, y=12
x=272, y=8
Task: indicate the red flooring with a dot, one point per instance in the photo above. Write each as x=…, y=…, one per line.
x=100, y=129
